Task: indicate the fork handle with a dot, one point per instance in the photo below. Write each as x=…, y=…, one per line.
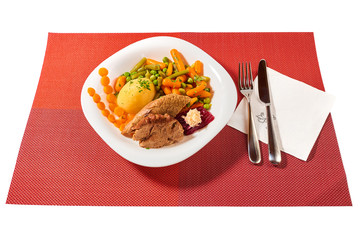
x=253, y=142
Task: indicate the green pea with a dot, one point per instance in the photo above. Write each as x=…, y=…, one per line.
x=207, y=106
x=207, y=100
x=190, y=80
x=152, y=77
x=183, y=85
x=153, y=72
x=164, y=70
x=157, y=75
x=182, y=91
x=128, y=78
x=155, y=82
x=207, y=89
x=166, y=60
x=126, y=74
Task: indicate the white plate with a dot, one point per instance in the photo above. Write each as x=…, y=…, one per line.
x=223, y=101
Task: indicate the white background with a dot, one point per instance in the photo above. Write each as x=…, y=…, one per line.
x=24, y=28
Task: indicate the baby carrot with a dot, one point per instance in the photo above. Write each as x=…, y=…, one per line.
x=192, y=72
x=101, y=105
x=111, y=98
x=119, y=111
x=204, y=94
x=111, y=118
x=171, y=83
x=169, y=71
x=167, y=90
x=112, y=106
x=96, y=98
x=199, y=67
x=154, y=62
x=119, y=83
x=197, y=90
x=177, y=59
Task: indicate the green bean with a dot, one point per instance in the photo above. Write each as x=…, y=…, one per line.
x=159, y=79
x=141, y=69
x=183, y=85
x=166, y=60
x=147, y=74
x=138, y=65
x=153, y=67
x=152, y=77
x=138, y=74
x=179, y=73
x=162, y=74
x=207, y=89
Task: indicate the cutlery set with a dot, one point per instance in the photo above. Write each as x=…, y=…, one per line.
x=246, y=86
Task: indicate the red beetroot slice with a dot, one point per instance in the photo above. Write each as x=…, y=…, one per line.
x=206, y=118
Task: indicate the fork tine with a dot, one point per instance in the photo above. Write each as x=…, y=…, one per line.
x=251, y=82
x=247, y=81
x=240, y=78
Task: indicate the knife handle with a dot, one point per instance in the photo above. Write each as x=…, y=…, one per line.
x=274, y=149
x=253, y=142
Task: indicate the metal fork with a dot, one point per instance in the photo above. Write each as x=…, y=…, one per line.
x=246, y=85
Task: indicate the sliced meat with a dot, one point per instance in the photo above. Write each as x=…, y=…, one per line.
x=170, y=104
x=158, y=130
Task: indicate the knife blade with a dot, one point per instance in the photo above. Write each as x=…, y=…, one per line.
x=265, y=97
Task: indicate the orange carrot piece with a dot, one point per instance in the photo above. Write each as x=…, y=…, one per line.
x=105, y=80
x=111, y=98
x=105, y=112
x=197, y=90
x=122, y=126
x=108, y=89
x=152, y=61
x=101, y=105
x=175, y=91
x=119, y=111
x=91, y=91
x=96, y=98
x=119, y=83
x=204, y=94
x=167, y=90
x=198, y=104
x=199, y=67
x=112, y=106
x=103, y=71
x=111, y=118
x=167, y=82
x=169, y=71
x=177, y=59
x=192, y=72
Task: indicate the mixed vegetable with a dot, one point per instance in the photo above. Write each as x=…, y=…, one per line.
x=150, y=79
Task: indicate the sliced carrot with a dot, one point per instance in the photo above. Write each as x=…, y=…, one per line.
x=91, y=91
x=101, y=105
x=105, y=112
x=193, y=100
x=117, y=123
x=197, y=90
x=112, y=106
x=119, y=111
x=111, y=118
x=108, y=89
x=199, y=67
x=171, y=83
x=167, y=90
x=169, y=70
x=152, y=61
x=105, y=80
x=111, y=98
x=119, y=83
x=96, y=98
x=130, y=116
x=103, y=72
x=179, y=63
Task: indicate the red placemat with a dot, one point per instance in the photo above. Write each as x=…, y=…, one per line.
x=62, y=161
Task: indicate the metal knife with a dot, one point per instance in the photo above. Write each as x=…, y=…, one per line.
x=265, y=97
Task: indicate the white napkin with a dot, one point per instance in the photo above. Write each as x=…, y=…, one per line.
x=299, y=111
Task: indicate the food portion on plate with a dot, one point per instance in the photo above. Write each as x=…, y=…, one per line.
x=157, y=102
